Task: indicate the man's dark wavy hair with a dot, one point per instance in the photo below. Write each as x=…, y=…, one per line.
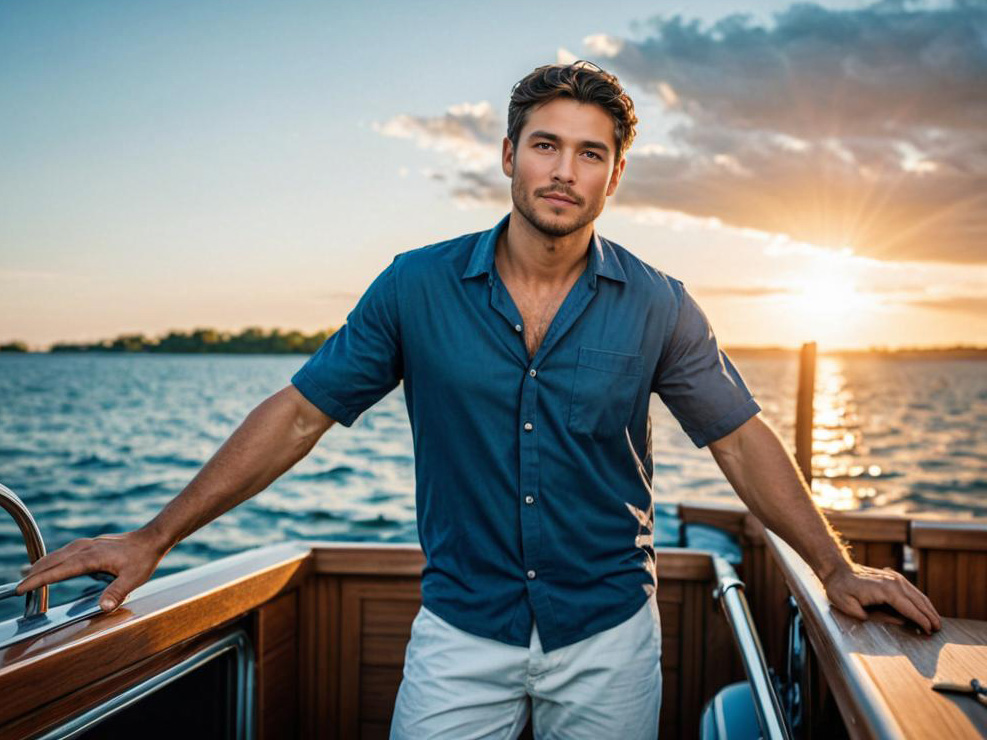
x=581, y=81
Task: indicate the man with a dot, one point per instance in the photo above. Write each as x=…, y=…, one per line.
x=528, y=353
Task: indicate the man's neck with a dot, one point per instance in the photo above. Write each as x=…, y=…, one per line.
x=534, y=257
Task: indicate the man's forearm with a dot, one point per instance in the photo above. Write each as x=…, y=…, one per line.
x=766, y=478
x=273, y=437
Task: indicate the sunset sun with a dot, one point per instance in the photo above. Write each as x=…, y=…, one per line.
x=827, y=303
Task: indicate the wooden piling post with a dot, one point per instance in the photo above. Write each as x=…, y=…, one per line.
x=803, y=409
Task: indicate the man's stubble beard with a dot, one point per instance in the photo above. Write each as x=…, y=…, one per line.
x=549, y=228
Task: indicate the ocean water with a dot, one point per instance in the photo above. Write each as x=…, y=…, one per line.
x=97, y=444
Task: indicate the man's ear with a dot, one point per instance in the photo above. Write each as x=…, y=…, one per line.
x=507, y=157
x=618, y=172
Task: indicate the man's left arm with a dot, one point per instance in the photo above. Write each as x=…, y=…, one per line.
x=764, y=475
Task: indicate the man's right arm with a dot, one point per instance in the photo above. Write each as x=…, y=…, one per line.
x=273, y=437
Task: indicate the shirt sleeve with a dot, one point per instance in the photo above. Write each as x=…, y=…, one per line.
x=360, y=363
x=698, y=382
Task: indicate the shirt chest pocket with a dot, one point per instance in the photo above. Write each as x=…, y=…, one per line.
x=603, y=391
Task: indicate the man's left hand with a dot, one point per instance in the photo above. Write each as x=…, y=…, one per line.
x=854, y=587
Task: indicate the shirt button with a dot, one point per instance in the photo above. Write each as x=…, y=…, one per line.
x=529, y=499
x=531, y=574
x=517, y=327
x=528, y=426
x=532, y=372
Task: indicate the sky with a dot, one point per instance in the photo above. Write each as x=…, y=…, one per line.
x=811, y=171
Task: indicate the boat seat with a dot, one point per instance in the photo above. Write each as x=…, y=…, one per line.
x=730, y=714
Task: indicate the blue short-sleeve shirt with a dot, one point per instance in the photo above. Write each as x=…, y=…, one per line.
x=533, y=474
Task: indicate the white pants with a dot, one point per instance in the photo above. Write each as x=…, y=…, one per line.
x=457, y=685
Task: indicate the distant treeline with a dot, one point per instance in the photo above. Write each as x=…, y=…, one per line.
x=207, y=341
x=958, y=352
x=278, y=342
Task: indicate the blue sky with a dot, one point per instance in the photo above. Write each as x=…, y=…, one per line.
x=180, y=164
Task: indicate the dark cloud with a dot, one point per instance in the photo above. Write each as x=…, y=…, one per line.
x=859, y=127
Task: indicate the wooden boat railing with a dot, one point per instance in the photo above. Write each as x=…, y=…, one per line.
x=329, y=623
x=881, y=674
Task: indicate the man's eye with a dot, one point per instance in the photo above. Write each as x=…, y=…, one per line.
x=543, y=144
x=594, y=155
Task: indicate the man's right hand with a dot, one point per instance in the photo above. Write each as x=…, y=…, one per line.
x=131, y=557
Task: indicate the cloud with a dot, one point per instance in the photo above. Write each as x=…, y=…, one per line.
x=471, y=132
x=859, y=128
x=742, y=291
x=973, y=304
x=481, y=189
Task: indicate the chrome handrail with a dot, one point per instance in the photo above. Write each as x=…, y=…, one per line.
x=37, y=600
x=729, y=593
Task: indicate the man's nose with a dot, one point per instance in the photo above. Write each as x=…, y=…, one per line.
x=565, y=171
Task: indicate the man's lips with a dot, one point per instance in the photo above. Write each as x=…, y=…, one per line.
x=559, y=198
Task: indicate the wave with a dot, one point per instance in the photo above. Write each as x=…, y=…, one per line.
x=96, y=462
x=144, y=488
x=338, y=473
x=176, y=460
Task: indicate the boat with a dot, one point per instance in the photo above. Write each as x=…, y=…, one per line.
x=308, y=639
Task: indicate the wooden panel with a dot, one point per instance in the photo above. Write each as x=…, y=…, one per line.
x=330, y=608
x=276, y=650
x=952, y=567
x=378, y=690
x=277, y=621
x=363, y=614
x=726, y=517
x=357, y=626
x=683, y=565
x=671, y=652
x=390, y=616
x=971, y=596
x=383, y=650
x=371, y=558
x=309, y=647
x=937, y=578
x=374, y=731
x=692, y=659
x=944, y=535
x=668, y=589
x=277, y=694
x=863, y=527
x=671, y=618
x=878, y=554
x=668, y=720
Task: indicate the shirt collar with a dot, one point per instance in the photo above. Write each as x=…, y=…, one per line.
x=603, y=260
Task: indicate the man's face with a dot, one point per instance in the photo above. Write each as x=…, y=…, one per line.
x=563, y=169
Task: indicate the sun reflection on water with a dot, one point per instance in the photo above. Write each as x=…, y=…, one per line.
x=839, y=480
